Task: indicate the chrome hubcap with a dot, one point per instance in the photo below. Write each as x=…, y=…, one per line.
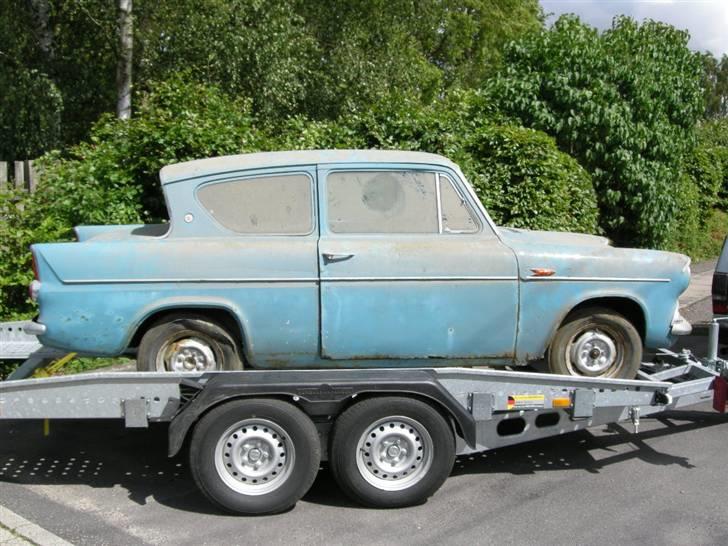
x=254, y=456
x=191, y=354
x=593, y=352
x=394, y=453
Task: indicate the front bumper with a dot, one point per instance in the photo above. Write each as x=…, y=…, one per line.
x=680, y=326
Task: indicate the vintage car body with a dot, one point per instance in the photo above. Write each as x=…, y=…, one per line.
x=334, y=294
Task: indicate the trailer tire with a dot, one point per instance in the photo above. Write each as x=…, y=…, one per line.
x=188, y=343
x=255, y=456
x=596, y=342
x=391, y=452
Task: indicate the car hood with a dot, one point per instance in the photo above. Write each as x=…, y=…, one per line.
x=513, y=236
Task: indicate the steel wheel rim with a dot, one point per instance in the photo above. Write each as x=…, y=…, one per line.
x=593, y=352
x=254, y=456
x=394, y=453
x=187, y=353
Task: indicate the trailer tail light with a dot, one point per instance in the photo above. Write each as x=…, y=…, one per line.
x=720, y=394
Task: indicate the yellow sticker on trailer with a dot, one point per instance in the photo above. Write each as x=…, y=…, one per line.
x=517, y=401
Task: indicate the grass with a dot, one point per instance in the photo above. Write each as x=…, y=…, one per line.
x=77, y=365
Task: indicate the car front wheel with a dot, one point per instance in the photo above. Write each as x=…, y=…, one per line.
x=596, y=342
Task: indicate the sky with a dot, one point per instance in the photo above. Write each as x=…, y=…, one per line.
x=706, y=20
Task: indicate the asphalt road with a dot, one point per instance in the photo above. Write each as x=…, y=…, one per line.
x=96, y=483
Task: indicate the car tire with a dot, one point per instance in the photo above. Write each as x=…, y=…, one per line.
x=596, y=342
x=255, y=456
x=424, y=457
x=188, y=343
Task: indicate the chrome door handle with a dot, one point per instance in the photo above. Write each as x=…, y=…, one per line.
x=330, y=257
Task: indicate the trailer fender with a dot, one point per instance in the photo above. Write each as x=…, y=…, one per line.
x=320, y=394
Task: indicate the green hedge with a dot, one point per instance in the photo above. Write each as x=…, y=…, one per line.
x=525, y=181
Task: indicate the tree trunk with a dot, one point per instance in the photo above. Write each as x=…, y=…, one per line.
x=123, y=67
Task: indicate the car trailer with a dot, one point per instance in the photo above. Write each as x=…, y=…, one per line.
x=256, y=437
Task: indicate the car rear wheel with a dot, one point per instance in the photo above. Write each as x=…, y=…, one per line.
x=596, y=342
x=188, y=344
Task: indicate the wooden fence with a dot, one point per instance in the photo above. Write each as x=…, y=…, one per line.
x=19, y=174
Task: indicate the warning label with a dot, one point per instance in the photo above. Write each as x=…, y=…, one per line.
x=519, y=401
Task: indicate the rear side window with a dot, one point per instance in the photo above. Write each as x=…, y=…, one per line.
x=264, y=205
x=382, y=202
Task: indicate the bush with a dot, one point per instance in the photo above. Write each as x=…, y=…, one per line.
x=705, y=169
x=525, y=181
x=713, y=135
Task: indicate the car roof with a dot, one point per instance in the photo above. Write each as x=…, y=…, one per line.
x=231, y=163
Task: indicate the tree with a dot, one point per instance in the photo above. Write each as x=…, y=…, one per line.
x=124, y=63
x=372, y=48
x=624, y=103
x=716, y=86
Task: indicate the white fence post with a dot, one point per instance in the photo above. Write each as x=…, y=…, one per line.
x=3, y=175
x=19, y=175
x=31, y=175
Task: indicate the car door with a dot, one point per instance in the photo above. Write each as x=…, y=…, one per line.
x=410, y=269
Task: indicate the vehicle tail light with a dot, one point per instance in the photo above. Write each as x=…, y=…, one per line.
x=34, y=287
x=720, y=307
x=35, y=266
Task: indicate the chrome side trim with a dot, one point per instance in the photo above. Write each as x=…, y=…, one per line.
x=442, y=278
x=206, y=281
x=291, y=280
x=594, y=279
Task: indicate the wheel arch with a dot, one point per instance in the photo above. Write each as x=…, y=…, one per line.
x=628, y=307
x=218, y=313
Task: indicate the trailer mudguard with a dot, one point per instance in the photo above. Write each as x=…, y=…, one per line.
x=319, y=393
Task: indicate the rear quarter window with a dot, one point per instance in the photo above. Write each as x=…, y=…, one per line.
x=279, y=204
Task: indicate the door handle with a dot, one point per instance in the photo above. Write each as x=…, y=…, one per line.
x=330, y=257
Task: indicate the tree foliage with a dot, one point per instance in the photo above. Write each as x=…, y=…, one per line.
x=624, y=103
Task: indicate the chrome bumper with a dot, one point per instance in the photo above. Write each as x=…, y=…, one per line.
x=34, y=328
x=680, y=326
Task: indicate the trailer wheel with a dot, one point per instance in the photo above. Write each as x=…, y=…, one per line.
x=596, y=342
x=255, y=456
x=185, y=343
x=391, y=452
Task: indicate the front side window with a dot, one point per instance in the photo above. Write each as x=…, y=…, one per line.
x=280, y=204
x=382, y=202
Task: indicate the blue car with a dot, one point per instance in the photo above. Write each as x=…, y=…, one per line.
x=349, y=258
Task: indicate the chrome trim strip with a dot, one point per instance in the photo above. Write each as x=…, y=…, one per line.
x=439, y=203
x=441, y=278
x=206, y=281
x=595, y=279
x=291, y=280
